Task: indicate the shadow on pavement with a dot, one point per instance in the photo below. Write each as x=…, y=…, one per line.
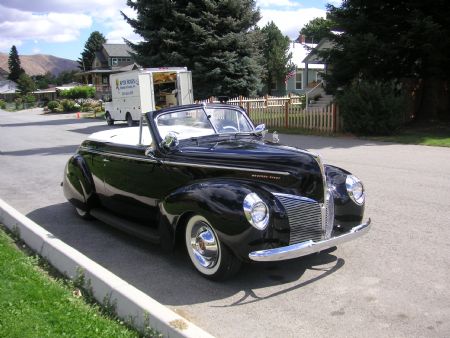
x=54, y=122
x=70, y=149
x=170, y=277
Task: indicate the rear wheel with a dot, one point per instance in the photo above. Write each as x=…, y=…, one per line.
x=209, y=256
x=109, y=119
x=129, y=120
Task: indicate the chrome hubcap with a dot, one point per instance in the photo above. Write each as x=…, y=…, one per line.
x=204, y=245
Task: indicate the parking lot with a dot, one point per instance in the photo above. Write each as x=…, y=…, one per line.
x=391, y=283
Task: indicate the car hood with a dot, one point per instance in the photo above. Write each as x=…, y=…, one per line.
x=292, y=168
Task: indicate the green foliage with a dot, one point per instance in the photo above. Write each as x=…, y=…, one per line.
x=53, y=105
x=25, y=84
x=30, y=99
x=15, y=69
x=18, y=102
x=78, y=92
x=393, y=41
x=277, y=59
x=371, y=108
x=93, y=44
x=217, y=40
x=35, y=304
x=64, y=77
x=69, y=105
x=2, y=104
x=316, y=29
x=42, y=81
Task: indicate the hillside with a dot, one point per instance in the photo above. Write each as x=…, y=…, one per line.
x=40, y=64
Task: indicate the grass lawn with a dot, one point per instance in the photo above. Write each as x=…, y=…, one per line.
x=428, y=134
x=34, y=304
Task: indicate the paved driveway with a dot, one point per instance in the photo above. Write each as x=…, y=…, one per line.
x=392, y=283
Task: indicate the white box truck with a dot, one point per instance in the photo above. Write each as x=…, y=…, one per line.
x=137, y=92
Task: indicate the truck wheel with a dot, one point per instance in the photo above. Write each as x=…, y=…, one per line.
x=209, y=256
x=109, y=119
x=129, y=120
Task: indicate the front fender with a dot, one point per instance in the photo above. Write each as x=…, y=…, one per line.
x=221, y=203
x=347, y=213
x=78, y=185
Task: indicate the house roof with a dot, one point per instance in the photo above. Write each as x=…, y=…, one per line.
x=299, y=52
x=312, y=58
x=7, y=86
x=117, y=49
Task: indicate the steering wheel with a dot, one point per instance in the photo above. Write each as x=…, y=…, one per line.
x=232, y=128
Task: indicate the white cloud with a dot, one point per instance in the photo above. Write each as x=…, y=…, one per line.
x=277, y=3
x=62, y=6
x=290, y=21
x=52, y=27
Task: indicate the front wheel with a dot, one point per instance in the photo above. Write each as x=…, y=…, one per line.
x=209, y=256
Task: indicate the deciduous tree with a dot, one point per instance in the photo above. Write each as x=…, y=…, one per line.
x=405, y=42
x=316, y=29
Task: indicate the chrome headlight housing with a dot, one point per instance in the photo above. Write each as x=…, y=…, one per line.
x=256, y=211
x=355, y=189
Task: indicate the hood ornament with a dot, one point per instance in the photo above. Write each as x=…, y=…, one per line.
x=275, y=138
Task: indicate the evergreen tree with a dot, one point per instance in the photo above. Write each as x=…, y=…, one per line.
x=215, y=39
x=15, y=69
x=93, y=44
x=404, y=42
x=276, y=54
x=25, y=84
x=316, y=29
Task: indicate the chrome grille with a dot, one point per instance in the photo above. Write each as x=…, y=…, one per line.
x=305, y=218
x=329, y=215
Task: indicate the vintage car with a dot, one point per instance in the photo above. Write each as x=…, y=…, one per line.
x=202, y=175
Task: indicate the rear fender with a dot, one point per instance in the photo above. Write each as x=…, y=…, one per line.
x=78, y=185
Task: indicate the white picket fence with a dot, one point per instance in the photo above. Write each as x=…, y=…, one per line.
x=288, y=112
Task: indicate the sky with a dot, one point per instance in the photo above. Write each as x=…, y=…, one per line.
x=61, y=27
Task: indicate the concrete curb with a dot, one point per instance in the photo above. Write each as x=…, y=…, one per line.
x=130, y=303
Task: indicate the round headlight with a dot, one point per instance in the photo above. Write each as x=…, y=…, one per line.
x=256, y=211
x=355, y=189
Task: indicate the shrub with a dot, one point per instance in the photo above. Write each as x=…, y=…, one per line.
x=78, y=92
x=371, y=108
x=18, y=103
x=29, y=99
x=53, y=105
x=69, y=105
x=2, y=104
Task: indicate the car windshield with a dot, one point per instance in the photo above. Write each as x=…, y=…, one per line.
x=201, y=121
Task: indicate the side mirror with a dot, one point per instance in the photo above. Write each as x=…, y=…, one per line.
x=170, y=140
x=261, y=128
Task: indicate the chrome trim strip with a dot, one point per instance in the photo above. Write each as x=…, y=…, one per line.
x=296, y=197
x=308, y=247
x=282, y=173
x=194, y=165
x=126, y=157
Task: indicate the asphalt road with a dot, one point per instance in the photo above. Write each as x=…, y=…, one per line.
x=394, y=282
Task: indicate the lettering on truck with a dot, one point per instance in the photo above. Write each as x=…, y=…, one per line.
x=122, y=85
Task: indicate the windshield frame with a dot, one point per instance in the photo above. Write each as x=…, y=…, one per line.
x=152, y=118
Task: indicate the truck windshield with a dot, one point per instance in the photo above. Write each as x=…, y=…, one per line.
x=202, y=122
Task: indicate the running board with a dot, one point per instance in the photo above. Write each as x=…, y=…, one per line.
x=132, y=228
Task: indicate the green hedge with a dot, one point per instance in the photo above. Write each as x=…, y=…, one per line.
x=371, y=108
x=79, y=92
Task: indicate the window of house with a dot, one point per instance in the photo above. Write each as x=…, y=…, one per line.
x=298, y=80
x=105, y=80
x=114, y=61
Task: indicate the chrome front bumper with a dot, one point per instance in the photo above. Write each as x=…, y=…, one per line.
x=309, y=247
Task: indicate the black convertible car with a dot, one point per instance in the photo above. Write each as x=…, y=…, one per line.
x=204, y=176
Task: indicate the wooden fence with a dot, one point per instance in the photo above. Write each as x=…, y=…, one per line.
x=288, y=112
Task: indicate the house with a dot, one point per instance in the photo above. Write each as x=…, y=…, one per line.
x=112, y=58
x=3, y=74
x=305, y=75
x=8, y=90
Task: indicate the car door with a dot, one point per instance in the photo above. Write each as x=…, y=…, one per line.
x=129, y=182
